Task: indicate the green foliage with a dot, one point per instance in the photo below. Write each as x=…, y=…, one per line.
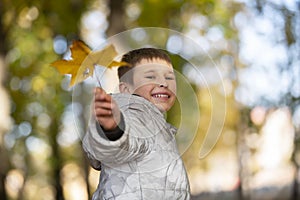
x=155, y=13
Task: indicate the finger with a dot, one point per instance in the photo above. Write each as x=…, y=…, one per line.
x=98, y=90
x=102, y=96
x=99, y=112
x=103, y=105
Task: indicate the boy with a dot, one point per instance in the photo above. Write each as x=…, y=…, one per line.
x=128, y=137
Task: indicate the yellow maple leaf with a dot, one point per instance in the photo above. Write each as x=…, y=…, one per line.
x=84, y=60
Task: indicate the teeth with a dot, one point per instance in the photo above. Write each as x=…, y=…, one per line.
x=161, y=96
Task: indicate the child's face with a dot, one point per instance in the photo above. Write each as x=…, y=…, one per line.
x=155, y=81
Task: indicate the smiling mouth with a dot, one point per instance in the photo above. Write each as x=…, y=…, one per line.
x=161, y=96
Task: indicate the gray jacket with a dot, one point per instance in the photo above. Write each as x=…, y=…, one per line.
x=144, y=163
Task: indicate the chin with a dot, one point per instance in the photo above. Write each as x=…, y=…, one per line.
x=162, y=108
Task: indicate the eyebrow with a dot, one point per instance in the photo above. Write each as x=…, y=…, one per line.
x=153, y=71
x=149, y=71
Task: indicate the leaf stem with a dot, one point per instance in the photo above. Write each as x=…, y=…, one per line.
x=98, y=80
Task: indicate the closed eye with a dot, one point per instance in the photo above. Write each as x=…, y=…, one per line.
x=150, y=77
x=170, y=78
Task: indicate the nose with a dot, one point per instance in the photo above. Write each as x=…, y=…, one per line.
x=162, y=83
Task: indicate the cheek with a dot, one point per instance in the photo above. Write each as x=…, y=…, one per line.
x=173, y=87
x=143, y=90
x=139, y=83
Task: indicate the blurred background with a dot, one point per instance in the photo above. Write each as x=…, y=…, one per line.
x=255, y=45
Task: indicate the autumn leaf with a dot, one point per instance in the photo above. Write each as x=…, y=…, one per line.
x=84, y=60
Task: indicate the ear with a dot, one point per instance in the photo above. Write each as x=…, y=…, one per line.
x=124, y=87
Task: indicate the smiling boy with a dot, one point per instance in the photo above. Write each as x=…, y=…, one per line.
x=128, y=137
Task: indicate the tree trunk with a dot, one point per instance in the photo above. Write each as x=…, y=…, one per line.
x=4, y=127
x=56, y=160
x=116, y=17
x=243, y=153
x=5, y=121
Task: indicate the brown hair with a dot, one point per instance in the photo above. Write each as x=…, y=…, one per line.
x=135, y=56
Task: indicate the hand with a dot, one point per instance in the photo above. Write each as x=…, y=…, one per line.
x=106, y=110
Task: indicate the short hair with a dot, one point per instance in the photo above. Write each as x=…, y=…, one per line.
x=137, y=55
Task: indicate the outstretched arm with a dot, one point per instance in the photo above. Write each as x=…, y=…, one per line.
x=108, y=114
x=136, y=138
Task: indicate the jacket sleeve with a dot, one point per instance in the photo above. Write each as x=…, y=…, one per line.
x=131, y=145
